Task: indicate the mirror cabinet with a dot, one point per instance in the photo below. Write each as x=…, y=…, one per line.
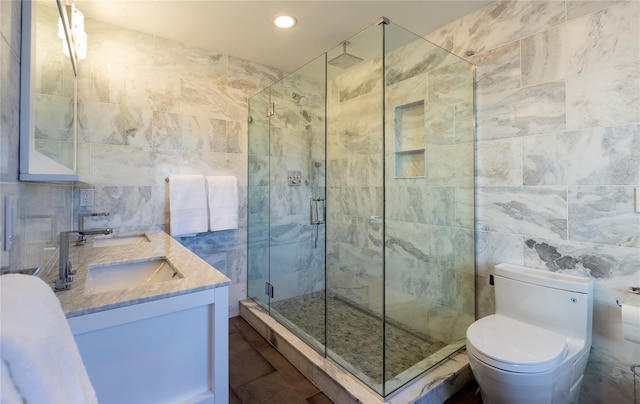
x=49, y=139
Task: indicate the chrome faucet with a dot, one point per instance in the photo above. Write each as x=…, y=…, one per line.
x=81, y=240
x=65, y=269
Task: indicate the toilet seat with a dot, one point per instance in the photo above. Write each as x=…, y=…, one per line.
x=515, y=346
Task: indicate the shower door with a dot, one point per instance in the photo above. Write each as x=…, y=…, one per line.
x=287, y=201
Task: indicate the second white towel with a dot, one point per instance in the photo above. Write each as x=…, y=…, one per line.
x=222, y=194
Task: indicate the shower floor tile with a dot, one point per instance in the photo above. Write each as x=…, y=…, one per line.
x=355, y=336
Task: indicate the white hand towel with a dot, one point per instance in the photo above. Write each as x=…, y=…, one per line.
x=223, y=202
x=187, y=205
x=37, y=347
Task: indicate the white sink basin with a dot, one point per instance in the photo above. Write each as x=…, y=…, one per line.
x=109, y=277
x=120, y=240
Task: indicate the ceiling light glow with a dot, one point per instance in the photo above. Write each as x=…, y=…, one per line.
x=284, y=21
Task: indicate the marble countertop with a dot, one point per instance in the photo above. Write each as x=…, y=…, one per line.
x=196, y=274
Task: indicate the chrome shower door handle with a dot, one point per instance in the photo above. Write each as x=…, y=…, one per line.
x=314, y=216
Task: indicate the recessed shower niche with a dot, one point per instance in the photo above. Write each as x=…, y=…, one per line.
x=410, y=142
x=370, y=260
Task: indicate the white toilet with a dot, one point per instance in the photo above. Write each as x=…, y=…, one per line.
x=535, y=348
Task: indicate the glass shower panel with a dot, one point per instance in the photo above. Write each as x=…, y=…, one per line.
x=429, y=169
x=380, y=276
x=355, y=273
x=258, y=199
x=297, y=163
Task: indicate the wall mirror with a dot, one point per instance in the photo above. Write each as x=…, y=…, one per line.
x=48, y=95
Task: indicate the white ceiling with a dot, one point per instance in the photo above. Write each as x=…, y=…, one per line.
x=244, y=29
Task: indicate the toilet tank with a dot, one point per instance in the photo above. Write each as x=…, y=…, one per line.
x=558, y=302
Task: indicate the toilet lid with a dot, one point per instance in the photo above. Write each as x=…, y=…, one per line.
x=515, y=346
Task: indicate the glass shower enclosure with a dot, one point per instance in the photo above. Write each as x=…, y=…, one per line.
x=361, y=204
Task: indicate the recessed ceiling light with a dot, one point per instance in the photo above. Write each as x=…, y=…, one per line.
x=284, y=21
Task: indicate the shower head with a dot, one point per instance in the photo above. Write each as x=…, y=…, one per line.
x=345, y=60
x=300, y=99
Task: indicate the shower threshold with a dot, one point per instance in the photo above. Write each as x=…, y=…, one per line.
x=434, y=386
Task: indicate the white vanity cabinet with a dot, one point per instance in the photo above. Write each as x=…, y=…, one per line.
x=171, y=350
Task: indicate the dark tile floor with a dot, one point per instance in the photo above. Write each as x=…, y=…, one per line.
x=258, y=374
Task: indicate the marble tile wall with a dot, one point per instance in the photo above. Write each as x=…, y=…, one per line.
x=150, y=108
x=558, y=107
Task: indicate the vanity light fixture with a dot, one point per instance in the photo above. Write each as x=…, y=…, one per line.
x=78, y=36
x=284, y=21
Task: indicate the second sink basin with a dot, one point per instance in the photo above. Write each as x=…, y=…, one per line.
x=109, y=277
x=120, y=240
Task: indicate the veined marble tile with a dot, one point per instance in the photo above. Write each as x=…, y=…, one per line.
x=201, y=97
x=499, y=162
x=452, y=84
x=613, y=268
x=404, y=92
x=539, y=211
x=604, y=39
x=605, y=98
x=494, y=248
x=258, y=138
x=146, y=89
x=498, y=70
x=604, y=156
x=366, y=79
x=258, y=170
x=465, y=121
x=578, y=8
x=451, y=166
x=349, y=229
x=422, y=205
x=465, y=207
x=121, y=165
x=505, y=21
x=183, y=132
x=608, y=343
x=114, y=124
x=114, y=45
x=545, y=56
x=251, y=77
x=527, y=111
x=601, y=215
x=174, y=57
x=414, y=58
x=362, y=202
x=217, y=139
x=362, y=171
x=439, y=125
x=605, y=383
x=127, y=206
x=237, y=141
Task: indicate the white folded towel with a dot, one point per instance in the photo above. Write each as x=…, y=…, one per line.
x=37, y=347
x=187, y=205
x=223, y=202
